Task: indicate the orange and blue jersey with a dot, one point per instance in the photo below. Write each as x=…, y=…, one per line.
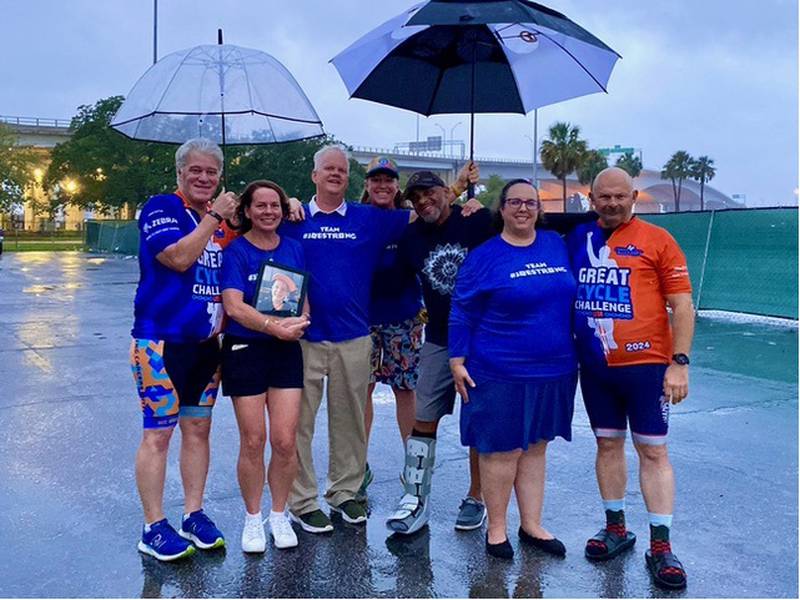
x=176, y=307
x=624, y=277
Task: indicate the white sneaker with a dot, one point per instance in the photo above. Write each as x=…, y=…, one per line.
x=254, y=538
x=282, y=532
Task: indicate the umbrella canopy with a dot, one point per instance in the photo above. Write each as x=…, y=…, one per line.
x=226, y=93
x=517, y=55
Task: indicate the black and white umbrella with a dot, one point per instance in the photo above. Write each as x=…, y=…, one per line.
x=483, y=56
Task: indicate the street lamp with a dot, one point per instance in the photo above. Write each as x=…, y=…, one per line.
x=452, y=137
x=70, y=186
x=444, y=137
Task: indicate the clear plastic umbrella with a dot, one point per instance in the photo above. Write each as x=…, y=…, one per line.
x=226, y=93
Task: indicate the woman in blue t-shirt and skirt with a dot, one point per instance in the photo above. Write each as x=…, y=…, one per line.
x=514, y=363
x=262, y=364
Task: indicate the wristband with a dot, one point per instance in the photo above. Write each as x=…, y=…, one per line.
x=216, y=215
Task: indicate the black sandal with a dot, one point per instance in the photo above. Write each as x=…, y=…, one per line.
x=605, y=545
x=666, y=569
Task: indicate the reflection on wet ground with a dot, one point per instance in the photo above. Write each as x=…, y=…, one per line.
x=70, y=517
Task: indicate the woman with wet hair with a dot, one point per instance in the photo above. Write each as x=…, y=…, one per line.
x=514, y=363
x=262, y=364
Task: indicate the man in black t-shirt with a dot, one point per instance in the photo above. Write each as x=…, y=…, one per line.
x=434, y=246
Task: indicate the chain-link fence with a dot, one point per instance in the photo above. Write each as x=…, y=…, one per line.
x=739, y=260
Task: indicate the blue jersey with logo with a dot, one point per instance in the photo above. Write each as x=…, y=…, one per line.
x=241, y=265
x=342, y=253
x=511, y=310
x=171, y=306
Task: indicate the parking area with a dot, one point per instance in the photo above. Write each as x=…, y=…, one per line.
x=70, y=515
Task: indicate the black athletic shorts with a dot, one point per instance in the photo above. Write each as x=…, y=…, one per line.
x=252, y=366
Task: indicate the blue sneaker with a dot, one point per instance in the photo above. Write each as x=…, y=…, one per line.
x=164, y=543
x=200, y=530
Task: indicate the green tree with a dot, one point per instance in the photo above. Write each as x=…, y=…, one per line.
x=703, y=171
x=676, y=169
x=108, y=169
x=630, y=163
x=561, y=154
x=490, y=195
x=17, y=166
x=288, y=165
x=591, y=164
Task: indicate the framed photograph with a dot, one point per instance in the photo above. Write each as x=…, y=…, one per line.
x=280, y=290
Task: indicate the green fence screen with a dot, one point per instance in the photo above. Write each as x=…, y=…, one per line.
x=118, y=237
x=739, y=260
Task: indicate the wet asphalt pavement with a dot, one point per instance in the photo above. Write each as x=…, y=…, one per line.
x=70, y=517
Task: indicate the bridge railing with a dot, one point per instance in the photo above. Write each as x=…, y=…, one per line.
x=34, y=121
x=375, y=151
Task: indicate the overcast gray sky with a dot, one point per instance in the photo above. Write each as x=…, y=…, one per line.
x=713, y=77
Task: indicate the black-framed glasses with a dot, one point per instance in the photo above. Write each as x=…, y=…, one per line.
x=530, y=203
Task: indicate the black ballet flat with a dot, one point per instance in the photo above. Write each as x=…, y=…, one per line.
x=501, y=550
x=553, y=546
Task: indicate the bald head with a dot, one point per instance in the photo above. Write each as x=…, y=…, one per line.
x=613, y=176
x=613, y=197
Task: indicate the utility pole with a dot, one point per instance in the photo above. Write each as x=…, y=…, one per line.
x=155, y=31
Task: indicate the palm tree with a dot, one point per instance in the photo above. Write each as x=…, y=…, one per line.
x=591, y=164
x=677, y=168
x=631, y=164
x=562, y=153
x=703, y=171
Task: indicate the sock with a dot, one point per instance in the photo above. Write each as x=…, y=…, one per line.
x=659, y=533
x=421, y=434
x=147, y=526
x=615, y=523
x=253, y=516
x=615, y=505
x=276, y=515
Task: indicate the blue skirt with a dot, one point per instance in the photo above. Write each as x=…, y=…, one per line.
x=502, y=416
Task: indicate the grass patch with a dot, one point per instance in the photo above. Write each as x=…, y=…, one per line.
x=42, y=245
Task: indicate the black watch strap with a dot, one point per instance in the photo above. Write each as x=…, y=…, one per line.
x=680, y=359
x=216, y=215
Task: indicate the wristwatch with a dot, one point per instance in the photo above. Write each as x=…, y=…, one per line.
x=680, y=359
x=216, y=215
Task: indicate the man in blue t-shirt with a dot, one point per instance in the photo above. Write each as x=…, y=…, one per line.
x=342, y=243
x=175, y=349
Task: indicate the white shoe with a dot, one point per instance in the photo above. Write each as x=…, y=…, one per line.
x=254, y=538
x=282, y=532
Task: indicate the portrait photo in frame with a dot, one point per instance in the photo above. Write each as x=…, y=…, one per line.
x=280, y=290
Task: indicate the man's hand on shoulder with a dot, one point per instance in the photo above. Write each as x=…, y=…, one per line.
x=471, y=207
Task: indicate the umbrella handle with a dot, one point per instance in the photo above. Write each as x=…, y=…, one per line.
x=470, y=185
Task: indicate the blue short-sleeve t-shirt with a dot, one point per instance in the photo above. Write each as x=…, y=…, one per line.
x=242, y=262
x=342, y=252
x=175, y=307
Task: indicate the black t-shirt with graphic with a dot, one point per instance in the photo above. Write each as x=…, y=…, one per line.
x=435, y=252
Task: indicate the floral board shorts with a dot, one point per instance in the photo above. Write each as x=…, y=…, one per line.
x=395, y=353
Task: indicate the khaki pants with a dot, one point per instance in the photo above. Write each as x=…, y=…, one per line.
x=346, y=364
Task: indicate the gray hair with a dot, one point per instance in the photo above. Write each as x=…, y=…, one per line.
x=330, y=148
x=199, y=146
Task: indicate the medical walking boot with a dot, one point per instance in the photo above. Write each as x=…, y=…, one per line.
x=413, y=510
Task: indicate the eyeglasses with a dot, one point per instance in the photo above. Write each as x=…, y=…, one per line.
x=530, y=203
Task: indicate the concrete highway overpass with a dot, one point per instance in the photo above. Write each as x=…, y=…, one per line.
x=655, y=193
